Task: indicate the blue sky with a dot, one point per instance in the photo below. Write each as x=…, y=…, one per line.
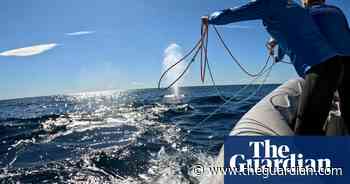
x=114, y=44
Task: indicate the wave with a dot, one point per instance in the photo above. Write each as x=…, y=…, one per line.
x=33, y=119
x=133, y=138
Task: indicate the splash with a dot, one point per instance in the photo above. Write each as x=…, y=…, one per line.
x=171, y=55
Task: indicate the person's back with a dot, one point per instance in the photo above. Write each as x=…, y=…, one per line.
x=333, y=25
x=306, y=41
x=313, y=57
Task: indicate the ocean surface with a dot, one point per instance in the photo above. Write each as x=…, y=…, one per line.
x=137, y=136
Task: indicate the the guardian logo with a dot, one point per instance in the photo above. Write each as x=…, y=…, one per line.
x=267, y=155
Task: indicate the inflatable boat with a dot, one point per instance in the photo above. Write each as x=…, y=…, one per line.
x=274, y=116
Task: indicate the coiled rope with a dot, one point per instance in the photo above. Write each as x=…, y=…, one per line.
x=202, y=47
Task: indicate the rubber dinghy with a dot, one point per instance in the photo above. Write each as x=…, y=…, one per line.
x=274, y=116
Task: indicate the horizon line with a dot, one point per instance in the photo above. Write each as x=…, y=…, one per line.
x=123, y=90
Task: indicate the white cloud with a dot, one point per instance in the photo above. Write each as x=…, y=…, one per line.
x=29, y=51
x=80, y=33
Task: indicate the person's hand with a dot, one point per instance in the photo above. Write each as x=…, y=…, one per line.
x=205, y=20
x=271, y=44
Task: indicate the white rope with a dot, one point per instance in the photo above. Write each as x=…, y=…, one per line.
x=267, y=72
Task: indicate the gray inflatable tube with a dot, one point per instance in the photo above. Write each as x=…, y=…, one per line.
x=272, y=116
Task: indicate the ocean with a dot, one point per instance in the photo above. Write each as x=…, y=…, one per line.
x=135, y=136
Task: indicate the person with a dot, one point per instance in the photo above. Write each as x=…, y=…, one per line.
x=324, y=79
x=298, y=36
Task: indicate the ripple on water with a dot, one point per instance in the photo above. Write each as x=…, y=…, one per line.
x=112, y=137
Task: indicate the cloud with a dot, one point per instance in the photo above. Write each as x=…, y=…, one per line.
x=29, y=51
x=80, y=33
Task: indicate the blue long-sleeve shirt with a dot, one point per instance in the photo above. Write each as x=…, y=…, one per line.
x=333, y=25
x=289, y=24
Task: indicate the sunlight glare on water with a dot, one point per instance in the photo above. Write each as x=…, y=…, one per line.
x=135, y=136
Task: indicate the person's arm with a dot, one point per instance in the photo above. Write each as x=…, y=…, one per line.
x=256, y=9
x=344, y=18
x=270, y=45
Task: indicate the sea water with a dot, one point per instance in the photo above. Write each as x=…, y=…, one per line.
x=137, y=136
